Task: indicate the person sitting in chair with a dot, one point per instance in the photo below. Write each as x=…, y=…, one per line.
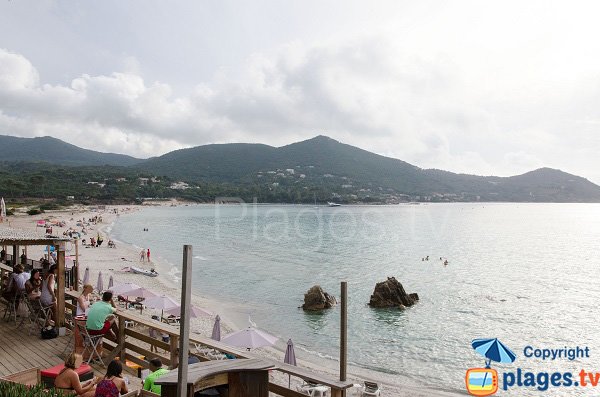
x=68, y=379
x=101, y=317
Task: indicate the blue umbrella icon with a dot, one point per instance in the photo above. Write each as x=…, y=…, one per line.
x=493, y=350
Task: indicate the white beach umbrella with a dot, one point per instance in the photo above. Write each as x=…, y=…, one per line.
x=162, y=302
x=195, y=312
x=124, y=288
x=86, y=276
x=100, y=283
x=141, y=293
x=250, y=338
x=2, y=209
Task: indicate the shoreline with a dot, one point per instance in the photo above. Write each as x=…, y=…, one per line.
x=110, y=261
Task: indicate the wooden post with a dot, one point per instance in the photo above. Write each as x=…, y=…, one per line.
x=173, y=345
x=344, y=333
x=60, y=293
x=184, y=330
x=76, y=267
x=15, y=256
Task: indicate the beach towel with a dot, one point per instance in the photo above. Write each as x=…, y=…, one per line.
x=106, y=388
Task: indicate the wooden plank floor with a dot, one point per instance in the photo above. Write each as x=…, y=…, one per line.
x=20, y=351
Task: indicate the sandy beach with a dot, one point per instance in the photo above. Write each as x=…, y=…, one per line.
x=111, y=261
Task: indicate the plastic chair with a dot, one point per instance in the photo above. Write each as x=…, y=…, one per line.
x=91, y=342
x=371, y=389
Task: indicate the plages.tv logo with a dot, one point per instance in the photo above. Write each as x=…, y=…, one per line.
x=484, y=381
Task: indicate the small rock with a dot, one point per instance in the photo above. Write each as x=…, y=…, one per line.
x=390, y=293
x=317, y=299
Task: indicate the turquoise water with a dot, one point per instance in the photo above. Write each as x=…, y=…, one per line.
x=525, y=273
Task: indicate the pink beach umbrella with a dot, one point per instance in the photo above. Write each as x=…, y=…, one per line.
x=250, y=338
x=195, y=312
x=162, y=302
x=141, y=293
x=110, y=282
x=216, y=332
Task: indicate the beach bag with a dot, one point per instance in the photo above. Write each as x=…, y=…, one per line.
x=49, y=333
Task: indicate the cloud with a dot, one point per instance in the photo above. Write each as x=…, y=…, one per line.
x=370, y=91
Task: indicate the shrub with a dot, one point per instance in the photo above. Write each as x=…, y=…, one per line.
x=34, y=211
x=18, y=390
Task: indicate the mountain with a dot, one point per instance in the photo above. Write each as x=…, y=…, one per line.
x=319, y=167
x=54, y=151
x=347, y=170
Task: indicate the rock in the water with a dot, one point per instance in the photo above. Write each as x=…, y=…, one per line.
x=390, y=293
x=317, y=299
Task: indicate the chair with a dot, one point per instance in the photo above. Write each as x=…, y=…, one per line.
x=371, y=389
x=307, y=388
x=90, y=342
x=71, y=323
x=38, y=314
x=12, y=305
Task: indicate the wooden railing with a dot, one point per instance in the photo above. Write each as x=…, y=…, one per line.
x=137, y=347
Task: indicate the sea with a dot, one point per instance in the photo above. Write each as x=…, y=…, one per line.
x=527, y=274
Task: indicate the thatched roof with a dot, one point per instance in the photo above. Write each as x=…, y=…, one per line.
x=10, y=236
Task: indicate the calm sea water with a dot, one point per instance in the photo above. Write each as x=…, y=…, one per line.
x=525, y=273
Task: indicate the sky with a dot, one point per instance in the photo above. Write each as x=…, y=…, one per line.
x=478, y=87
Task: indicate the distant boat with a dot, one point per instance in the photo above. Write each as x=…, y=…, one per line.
x=137, y=270
x=332, y=204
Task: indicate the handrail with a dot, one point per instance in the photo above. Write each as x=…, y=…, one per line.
x=132, y=350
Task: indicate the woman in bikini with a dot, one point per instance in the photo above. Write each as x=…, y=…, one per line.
x=113, y=384
x=68, y=379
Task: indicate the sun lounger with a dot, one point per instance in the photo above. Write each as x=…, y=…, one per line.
x=371, y=389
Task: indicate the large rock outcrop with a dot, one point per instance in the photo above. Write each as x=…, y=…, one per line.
x=317, y=299
x=390, y=293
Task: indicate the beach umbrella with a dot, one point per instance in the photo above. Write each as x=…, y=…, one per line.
x=86, y=276
x=100, y=283
x=124, y=288
x=250, y=338
x=2, y=209
x=290, y=358
x=493, y=350
x=110, y=282
x=216, y=332
x=141, y=293
x=162, y=302
x=195, y=311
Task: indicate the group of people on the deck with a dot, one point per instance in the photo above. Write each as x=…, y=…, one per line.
x=113, y=384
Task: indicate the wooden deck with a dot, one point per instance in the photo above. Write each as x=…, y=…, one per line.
x=20, y=351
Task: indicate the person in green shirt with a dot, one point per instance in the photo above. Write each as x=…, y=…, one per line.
x=101, y=318
x=157, y=372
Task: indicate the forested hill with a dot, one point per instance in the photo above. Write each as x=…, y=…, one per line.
x=55, y=151
x=320, y=168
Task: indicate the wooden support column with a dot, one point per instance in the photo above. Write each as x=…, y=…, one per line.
x=344, y=335
x=174, y=344
x=60, y=293
x=15, y=255
x=76, y=265
x=184, y=330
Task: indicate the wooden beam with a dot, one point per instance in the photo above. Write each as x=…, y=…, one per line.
x=60, y=293
x=76, y=267
x=184, y=338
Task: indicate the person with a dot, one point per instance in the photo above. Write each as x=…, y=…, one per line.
x=156, y=372
x=48, y=297
x=68, y=379
x=446, y=262
x=101, y=317
x=191, y=359
x=33, y=286
x=143, y=255
x=113, y=384
x=83, y=302
x=148, y=255
x=16, y=283
x=23, y=258
x=3, y=255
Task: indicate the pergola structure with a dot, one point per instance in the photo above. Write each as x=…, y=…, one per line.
x=18, y=238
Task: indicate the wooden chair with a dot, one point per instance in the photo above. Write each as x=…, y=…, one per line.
x=146, y=393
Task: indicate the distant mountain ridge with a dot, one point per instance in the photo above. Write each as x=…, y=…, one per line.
x=55, y=151
x=320, y=164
